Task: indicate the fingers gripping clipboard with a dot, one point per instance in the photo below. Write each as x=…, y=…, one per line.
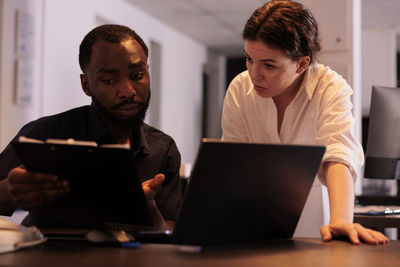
x=101, y=178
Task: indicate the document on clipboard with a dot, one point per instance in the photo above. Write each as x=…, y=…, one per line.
x=102, y=179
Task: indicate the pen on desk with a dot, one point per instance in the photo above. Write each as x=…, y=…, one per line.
x=130, y=244
x=185, y=248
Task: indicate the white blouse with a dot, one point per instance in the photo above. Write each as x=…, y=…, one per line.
x=320, y=114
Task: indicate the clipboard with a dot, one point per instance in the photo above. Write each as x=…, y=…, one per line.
x=103, y=180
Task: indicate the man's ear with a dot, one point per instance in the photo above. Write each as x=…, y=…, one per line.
x=85, y=85
x=303, y=64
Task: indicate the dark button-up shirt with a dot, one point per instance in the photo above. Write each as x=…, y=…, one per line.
x=154, y=152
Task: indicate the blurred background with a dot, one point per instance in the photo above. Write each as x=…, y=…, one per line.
x=195, y=51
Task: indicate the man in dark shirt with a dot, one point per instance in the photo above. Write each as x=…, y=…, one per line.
x=113, y=60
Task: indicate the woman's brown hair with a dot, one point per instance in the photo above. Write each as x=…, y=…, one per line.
x=285, y=25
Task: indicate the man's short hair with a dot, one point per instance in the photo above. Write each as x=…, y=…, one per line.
x=108, y=32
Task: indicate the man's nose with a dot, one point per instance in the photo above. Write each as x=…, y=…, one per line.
x=127, y=89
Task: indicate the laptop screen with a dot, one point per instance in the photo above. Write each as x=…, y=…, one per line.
x=244, y=192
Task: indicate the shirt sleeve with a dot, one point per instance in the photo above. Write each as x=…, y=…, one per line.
x=169, y=198
x=10, y=160
x=232, y=122
x=336, y=127
x=8, y=157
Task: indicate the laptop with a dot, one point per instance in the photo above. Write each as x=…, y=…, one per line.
x=245, y=192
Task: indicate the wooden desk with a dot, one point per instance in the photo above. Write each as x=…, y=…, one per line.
x=297, y=252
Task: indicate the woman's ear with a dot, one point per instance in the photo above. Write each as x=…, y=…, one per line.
x=85, y=85
x=303, y=64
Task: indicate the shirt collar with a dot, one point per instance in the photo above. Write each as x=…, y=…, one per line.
x=309, y=83
x=99, y=133
x=251, y=89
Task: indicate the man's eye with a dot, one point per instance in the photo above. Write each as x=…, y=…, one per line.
x=108, y=81
x=137, y=76
x=248, y=59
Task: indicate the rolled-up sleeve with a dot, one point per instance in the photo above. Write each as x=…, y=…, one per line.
x=336, y=128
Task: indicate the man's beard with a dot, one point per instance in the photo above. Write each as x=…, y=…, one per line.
x=129, y=123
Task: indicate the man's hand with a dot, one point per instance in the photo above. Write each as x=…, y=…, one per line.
x=150, y=189
x=354, y=232
x=29, y=190
x=152, y=186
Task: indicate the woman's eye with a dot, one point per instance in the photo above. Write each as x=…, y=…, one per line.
x=248, y=59
x=108, y=81
x=269, y=66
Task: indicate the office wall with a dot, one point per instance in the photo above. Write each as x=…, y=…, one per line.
x=214, y=94
x=379, y=52
x=64, y=25
x=14, y=113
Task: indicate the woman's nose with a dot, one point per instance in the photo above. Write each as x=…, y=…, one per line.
x=255, y=73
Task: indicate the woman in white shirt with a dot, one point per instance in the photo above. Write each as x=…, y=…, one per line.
x=285, y=96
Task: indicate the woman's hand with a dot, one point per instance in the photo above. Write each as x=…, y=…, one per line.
x=354, y=231
x=341, y=200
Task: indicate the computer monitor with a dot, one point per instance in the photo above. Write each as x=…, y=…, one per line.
x=383, y=145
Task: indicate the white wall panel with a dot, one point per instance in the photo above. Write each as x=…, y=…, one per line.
x=13, y=114
x=378, y=62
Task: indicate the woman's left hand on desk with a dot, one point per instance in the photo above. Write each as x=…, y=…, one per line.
x=354, y=231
